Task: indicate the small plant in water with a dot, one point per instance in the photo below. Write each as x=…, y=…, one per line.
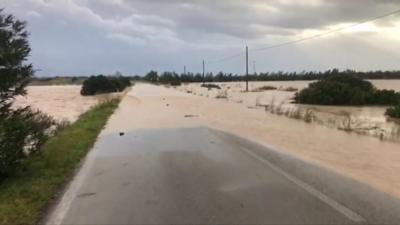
x=308, y=116
x=346, y=124
x=222, y=94
x=264, y=88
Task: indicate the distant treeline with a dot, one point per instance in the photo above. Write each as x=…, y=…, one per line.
x=172, y=77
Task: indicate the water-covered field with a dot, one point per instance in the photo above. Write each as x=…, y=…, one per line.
x=64, y=103
x=364, y=120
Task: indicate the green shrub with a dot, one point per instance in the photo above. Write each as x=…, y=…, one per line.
x=394, y=112
x=101, y=84
x=211, y=86
x=175, y=83
x=22, y=133
x=345, y=90
x=265, y=88
x=386, y=97
x=151, y=76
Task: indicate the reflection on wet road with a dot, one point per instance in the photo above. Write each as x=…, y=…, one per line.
x=203, y=176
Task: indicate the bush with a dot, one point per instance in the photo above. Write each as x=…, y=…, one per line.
x=289, y=89
x=22, y=133
x=264, y=88
x=211, y=86
x=386, y=97
x=169, y=78
x=175, y=83
x=394, y=112
x=151, y=76
x=345, y=90
x=101, y=84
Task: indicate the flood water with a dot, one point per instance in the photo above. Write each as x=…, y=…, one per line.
x=63, y=103
x=370, y=120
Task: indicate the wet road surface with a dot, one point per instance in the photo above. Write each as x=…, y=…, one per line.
x=203, y=176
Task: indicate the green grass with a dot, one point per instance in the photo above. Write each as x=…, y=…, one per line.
x=25, y=196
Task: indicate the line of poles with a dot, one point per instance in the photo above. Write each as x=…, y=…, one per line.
x=294, y=42
x=247, y=69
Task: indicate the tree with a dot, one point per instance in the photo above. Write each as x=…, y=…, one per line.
x=22, y=131
x=152, y=77
x=14, y=50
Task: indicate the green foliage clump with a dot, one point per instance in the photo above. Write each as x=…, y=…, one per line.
x=102, y=84
x=345, y=90
x=386, y=97
x=394, y=112
x=151, y=76
x=22, y=133
x=211, y=86
x=170, y=78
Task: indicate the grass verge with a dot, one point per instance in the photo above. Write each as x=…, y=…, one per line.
x=24, y=196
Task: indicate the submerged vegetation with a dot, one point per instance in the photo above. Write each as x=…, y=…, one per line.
x=394, y=112
x=264, y=88
x=104, y=84
x=345, y=90
x=211, y=86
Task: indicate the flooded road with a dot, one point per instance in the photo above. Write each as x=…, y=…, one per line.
x=362, y=157
x=161, y=160
x=202, y=176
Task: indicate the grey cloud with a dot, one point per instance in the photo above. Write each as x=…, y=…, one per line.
x=134, y=36
x=238, y=18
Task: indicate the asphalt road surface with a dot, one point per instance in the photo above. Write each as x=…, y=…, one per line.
x=203, y=176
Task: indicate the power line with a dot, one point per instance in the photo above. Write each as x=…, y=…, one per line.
x=304, y=39
x=226, y=58
x=326, y=33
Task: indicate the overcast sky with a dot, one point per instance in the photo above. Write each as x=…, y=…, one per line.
x=84, y=37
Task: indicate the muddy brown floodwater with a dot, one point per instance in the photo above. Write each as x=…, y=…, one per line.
x=368, y=120
x=64, y=103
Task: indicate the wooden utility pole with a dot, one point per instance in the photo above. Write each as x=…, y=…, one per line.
x=247, y=68
x=204, y=71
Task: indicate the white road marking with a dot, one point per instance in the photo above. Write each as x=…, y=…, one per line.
x=334, y=204
x=59, y=213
